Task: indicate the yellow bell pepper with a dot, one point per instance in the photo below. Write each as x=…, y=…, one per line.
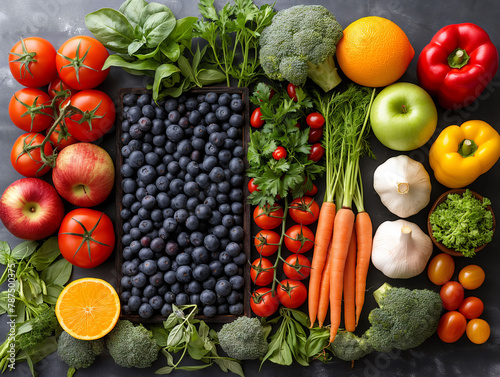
x=461, y=154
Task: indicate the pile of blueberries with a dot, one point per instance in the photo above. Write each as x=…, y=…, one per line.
x=182, y=204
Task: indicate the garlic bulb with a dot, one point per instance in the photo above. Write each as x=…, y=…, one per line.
x=403, y=184
x=401, y=249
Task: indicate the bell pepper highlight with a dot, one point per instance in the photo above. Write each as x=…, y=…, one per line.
x=457, y=65
x=461, y=154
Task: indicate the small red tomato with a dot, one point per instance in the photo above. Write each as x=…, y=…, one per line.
x=262, y=272
x=58, y=87
x=451, y=326
x=315, y=120
x=267, y=242
x=60, y=139
x=268, y=218
x=441, y=268
x=292, y=91
x=297, y=267
x=30, y=163
x=299, y=239
x=264, y=302
x=292, y=293
x=452, y=295
x=256, y=120
x=317, y=152
x=252, y=186
x=304, y=210
x=471, y=307
x=315, y=135
x=29, y=109
x=312, y=191
x=279, y=153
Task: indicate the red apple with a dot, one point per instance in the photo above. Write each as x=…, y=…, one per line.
x=84, y=174
x=31, y=209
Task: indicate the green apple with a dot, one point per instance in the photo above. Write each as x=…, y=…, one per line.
x=403, y=116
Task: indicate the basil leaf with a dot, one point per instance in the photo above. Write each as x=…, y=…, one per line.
x=176, y=91
x=165, y=370
x=157, y=27
x=175, y=336
x=171, y=321
x=230, y=365
x=138, y=65
x=194, y=367
x=160, y=335
x=149, y=55
x=4, y=253
x=111, y=28
x=135, y=46
x=210, y=76
x=151, y=9
x=57, y=273
x=162, y=72
x=132, y=10
x=24, y=250
x=171, y=50
x=53, y=292
x=185, y=67
x=183, y=29
x=46, y=254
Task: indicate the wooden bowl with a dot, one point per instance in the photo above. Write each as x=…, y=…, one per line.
x=440, y=200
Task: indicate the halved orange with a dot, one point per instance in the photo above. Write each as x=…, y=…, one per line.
x=88, y=308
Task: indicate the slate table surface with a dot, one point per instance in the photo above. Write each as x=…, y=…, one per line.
x=58, y=20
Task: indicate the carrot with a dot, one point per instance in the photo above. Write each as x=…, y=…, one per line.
x=342, y=232
x=324, y=296
x=322, y=239
x=349, y=285
x=364, y=237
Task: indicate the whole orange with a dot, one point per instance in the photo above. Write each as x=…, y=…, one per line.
x=374, y=52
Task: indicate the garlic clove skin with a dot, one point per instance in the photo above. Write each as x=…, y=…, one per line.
x=403, y=184
x=401, y=249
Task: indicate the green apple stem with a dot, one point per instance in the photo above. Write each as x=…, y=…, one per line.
x=403, y=108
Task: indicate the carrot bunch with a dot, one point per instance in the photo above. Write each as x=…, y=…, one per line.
x=343, y=237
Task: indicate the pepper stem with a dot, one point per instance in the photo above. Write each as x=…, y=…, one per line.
x=467, y=148
x=458, y=58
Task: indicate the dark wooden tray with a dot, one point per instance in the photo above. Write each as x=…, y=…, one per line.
x=246, y=216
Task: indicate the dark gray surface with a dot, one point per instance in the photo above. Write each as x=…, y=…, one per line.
x=57, y=20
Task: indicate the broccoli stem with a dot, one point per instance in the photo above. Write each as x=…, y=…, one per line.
x=325, y=74
x=381, y=291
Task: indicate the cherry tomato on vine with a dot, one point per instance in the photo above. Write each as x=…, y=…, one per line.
x=279, y=153
x=471, y=307
x=478, y=331
x=267, y=242
x=316, y=153
x=292, y=293
x=252, y=186
x=29, y=163
x=262, y=272
x=441, y=269
x=270, y=220
x=451, y=326
x=304, y=210
x=315, y=120
x=264, y=303
x=57, y=86
x=297, y=267
x=312, y=191
x=299, y=239
x=79, y=62
x=98, y=117
x=292, y=91
x=452, y=295
x=32, y=62
x=61, y=139
x=471, y=276
x=315, y=135
x=256, y=120
x=28, y=110
x=86, y=237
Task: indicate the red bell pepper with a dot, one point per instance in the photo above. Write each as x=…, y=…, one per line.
x=457, y=65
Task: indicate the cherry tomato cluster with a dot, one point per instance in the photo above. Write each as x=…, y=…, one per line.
x=54, y=80
x=463, y=313
x=298, y=239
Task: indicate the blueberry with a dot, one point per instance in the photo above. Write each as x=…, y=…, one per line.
x=192, y=223
x=224, y=99
x=238, y=151
x=211, y=202
x=135, y=131
x=223, y=113
x=236, y=120
x=160, y=113
x=135, y=145
x=236, y=233
x=148, y=203
x=179, y=202
x=126, y=171
x=215, y=219
x=134, y=114
x=145, y=310
x=172, y=249
x=184, y=274
x=220, y=231
x=225, y=258
x=170, y=147
x=194, y=299
x=144, y=99
x=174, y=116
x=224, y=187
x=171, y=104
x=224, y=156
x=126, y=282
x=236, y=165
x=225, y=209
x=162, y=200
x=176, y=288
x=126, y=151
x=228, y=221
x=195, y=117
x=175, y=133
x=129, y=99
x=236, y=105
x=236, y=309
x=136, y=159
x=211, y=149
x=148, y=111
x=164, y=263
x=237, y=208
x=146, y=226
x=231, y=269
x=139, y=280
x=217, y=174
x=233, y=298
x=222, y=198
x=200, y=255
x=181, y=216
x=149, y=267
x=159, y=140
x=145, y=253
x=184, y=147
x=149, y=291
x=200, y=131
x=170, y=277
x=156, y=302
x=237, y=282
x=233, y=133
x=183, y=259
x=209, y=311
x=240, y=260
x=156, y=279
x=210, y=118
x=191, y=189
x=144, y=124
x=134, y=302
x=182, y=299
x=211, y=97
x=203, y=212
x=166, y=310
x=158, y=127
x=208, y=297
x=216, y=268
x=201, y=272
x=176, y=186
x=129, y=185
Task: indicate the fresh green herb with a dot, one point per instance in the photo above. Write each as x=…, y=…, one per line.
x=182, y=333
x=234, y=29
x=462, y=222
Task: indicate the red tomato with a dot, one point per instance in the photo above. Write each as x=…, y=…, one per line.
x=60, y=139
x=452, y=295
x=58, y=87
x=315, y=135
x=471, y=307
x=304, y=210
x=451, y=326
x=292, y=293
x=251, y=186
x=299, y=239
x=315, y=120
x=279, y=153
x=79, y=62
x=471, y=276
x=32, y=62
x=29, y=163
x=256, y=120
x=262, y=271
x=267, y=242
x=297, y=267
x=268, y=218
x=86, y=237
x=312, y=191
x=98, y=117
x=441, y=269
x=292, y=91
x=478, y=331
x=316, y=153
x=264, y=303
x=26, y=110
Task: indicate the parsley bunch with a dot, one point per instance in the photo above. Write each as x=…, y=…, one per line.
x=462, y=223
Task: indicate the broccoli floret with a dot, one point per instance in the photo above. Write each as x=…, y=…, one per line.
x=300, y=43
x=243, y=339
x=405, y=318
x=349, y=347
x=132, y=346
x=78, y=353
